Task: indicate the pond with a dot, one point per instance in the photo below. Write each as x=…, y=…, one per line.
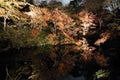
x=62, y=62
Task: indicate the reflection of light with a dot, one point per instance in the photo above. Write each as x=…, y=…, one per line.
x=70, y=77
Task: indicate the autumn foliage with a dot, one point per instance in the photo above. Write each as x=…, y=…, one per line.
x=89, y=32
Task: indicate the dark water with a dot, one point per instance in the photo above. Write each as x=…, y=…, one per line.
x=61, y=62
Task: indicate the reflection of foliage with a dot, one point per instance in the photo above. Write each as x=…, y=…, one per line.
x=102, y=74
x=40, y=26
x=100, y=59
x=63, y=61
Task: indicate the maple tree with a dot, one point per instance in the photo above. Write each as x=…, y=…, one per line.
x=90, y=30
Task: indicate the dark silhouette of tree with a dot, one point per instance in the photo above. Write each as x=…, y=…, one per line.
x=75, y=5
x=93, y=5
x=54, y=4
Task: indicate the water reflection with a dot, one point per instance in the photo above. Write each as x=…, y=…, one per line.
x=70, y=77
x=36, y=63
x=61, y=62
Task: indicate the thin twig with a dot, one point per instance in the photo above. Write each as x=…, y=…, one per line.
x=8, y=75
x=5, y=22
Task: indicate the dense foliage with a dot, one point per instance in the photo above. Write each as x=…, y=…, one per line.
x=93, y=29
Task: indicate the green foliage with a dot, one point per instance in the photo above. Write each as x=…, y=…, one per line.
x=102, y=74
x=42, y=38
x=114, y=27
x=22, y=38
